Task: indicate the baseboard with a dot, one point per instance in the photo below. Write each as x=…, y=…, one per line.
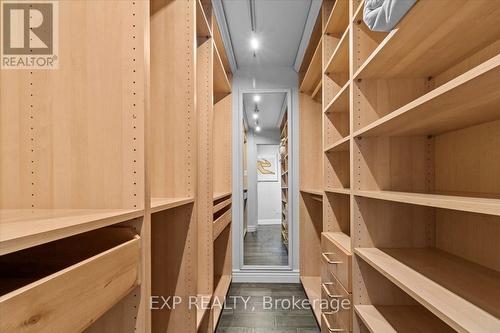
x=251, y=228
x=269, y=221
x=265, y=277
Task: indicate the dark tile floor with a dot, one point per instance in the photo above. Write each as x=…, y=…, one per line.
x=264, y=247
x=259, y=316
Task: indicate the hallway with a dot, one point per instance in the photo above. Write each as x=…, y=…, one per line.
x=257, y=318
x=265, y=247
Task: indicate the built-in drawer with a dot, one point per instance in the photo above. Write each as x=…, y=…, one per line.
x=338, y=261
x=65, y=285
x=337, y=306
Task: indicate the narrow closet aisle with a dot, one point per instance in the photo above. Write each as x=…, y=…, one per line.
x=249, y=166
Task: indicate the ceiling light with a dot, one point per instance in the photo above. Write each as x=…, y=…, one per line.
x=256, y=98
x=254, y=43
x=255, y=116
x=257, y=129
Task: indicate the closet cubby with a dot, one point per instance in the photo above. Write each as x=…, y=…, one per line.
x=390, y=309
x=338, y=18
x=336, y=67
x=336, y=124
x=337, y=212
x=173, y=270
x=310, y=228
x=457, y=169
x=310, y=76
x=75, y=163
x=172, y=161
x=422, y=250
x=337, y=167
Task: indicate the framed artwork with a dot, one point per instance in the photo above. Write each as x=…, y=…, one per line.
x=267, y=168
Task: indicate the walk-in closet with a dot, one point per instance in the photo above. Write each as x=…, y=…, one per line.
x=250, y=166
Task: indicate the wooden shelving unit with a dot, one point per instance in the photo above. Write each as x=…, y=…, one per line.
x=284, y=143
x=410, y=187
x=468, y=304
x=113, y=166
x=72, y=171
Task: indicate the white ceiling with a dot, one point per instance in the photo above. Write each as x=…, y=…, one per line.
x=269, y=109
x=279, y=28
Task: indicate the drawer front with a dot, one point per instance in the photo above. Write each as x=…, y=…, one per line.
x=337, y=310
x=337, y=261
x=73, y=298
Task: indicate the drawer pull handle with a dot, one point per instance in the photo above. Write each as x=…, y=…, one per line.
x=328, y=326
x=330, y=261
x=328, y=293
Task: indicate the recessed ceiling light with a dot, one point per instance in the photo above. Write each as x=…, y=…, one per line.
x=257, y=128
x=256, y=98
x=254, y=43
x=255, y=116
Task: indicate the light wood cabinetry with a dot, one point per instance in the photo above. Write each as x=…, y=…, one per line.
x=113, y=168
x=410, y=187
x=74, y=231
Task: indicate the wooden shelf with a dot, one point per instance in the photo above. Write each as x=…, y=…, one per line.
x=218, y=196
x=469, y=99
x=341, y=239
x=426, y=41
x=465, y=204
x=222, y=205
x=399, y=318
x=339, y=103
x=312, y=287
x=338, y=190
x=220, y=47
x=317, y=92
x=461, y=293
x=313, y=73
x=311, y=191
x=222, y=223
x=339, y=18
x=341, y=145
x=220, y=293
x=159, y=204
x=222, y=86
x=202, y=26
x=24, y=228
x=339, y=61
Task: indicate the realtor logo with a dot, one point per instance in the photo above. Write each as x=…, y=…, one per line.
x=29, y=33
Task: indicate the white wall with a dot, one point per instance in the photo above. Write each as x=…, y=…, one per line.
x=269, y=193
x=264, y=78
